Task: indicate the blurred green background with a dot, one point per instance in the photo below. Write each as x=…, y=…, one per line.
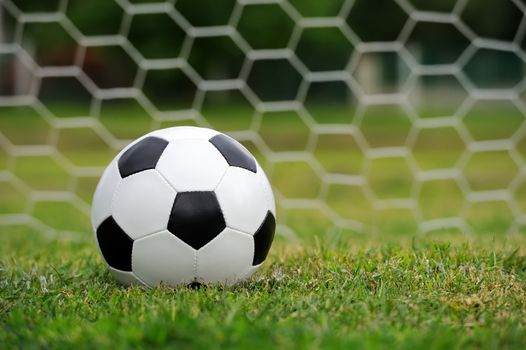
x=371, y=124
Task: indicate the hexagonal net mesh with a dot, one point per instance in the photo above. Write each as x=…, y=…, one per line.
x=373, y=117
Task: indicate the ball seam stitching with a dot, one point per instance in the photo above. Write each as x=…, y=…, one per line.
x=195, y=266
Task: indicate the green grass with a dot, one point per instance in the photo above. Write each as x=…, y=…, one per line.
x=424, y=296
x=385, y=287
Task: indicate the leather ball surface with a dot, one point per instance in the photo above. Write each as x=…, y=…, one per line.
x=183, y=205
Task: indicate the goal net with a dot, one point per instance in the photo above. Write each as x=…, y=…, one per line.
x=375, y=118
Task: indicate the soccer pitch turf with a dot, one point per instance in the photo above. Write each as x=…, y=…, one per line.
x=421, y=296
x=332, y=288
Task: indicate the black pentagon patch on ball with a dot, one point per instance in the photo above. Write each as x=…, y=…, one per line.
x=115, y=244
x=143, y=155
x=196, y=218
x=263, y=239
x=234, y=153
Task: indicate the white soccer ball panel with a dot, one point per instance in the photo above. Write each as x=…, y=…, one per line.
x=267, y=188
x=243, y=199
x=251, y=271
x=126, y=278
x=102, y=199
x=162, y=257
x=142, y=203
x=184, y=133
x=192, y=165
x=226, y=258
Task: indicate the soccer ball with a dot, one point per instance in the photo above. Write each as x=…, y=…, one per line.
x=183, y=205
